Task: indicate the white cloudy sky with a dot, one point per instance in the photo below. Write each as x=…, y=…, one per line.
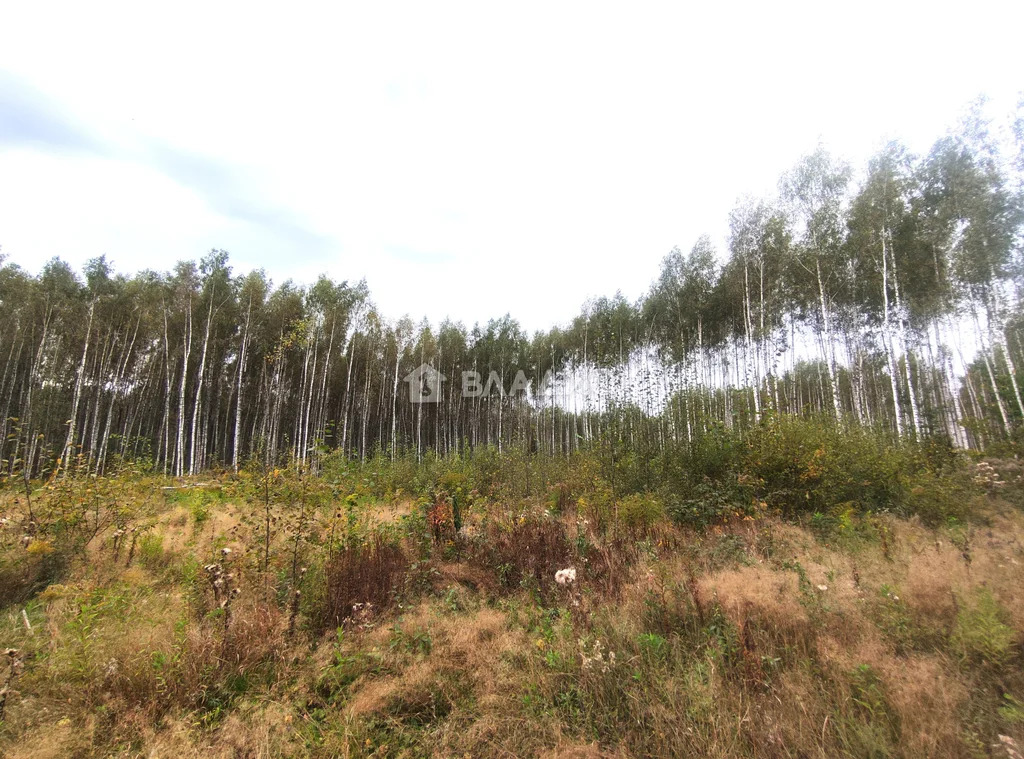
x=467, y=159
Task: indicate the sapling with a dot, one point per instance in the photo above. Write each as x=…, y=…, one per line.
x=28, y=496
x=266, y=533
x=131, y=549
x=298, y=529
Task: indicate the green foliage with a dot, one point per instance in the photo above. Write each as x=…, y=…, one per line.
x=710, y=502
x=938, y=497
x=348, y=664
x=652, y=645
x=981, y=635
x=640, y=511
x=198, y=501
x=92, y=610
x=812, y=466
x=151, y=550
x=726, y=550
x=873, y=728
x=1012, y=710
x=807, y=465
x=416, y=642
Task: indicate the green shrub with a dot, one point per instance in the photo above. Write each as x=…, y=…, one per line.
x=981, y=634
x=810, y=465
x=196, y=499
x=598, y=504
x=873, y=728
x=151, y=550
x=640, y=511
x=200, y=511
x=938, y=498
x=799, y=466
x=711, y=501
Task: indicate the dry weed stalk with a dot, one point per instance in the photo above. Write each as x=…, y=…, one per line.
x=14, y=665
x=296, y=598
x=694, y=589
x=131, y=550
x=224, y=588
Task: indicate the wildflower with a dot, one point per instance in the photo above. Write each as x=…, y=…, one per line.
x=566, y=576
x=598, y=660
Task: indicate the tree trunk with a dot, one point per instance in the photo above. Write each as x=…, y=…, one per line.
x=70, y=443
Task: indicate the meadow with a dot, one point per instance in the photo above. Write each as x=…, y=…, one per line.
x=800, y=590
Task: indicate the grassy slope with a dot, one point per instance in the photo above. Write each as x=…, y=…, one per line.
x=859, y=636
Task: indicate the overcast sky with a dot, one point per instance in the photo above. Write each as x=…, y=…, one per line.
x=466, y=159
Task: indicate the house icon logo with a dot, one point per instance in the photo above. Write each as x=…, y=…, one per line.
x=425, y=384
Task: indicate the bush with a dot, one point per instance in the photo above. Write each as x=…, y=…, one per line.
x=710, y=502
x=981, y=635
x=640, y=511
x=809, y=465
x=798, y=466
x=24, y=573
x=151, y=551
x=531, y=549
x=938, y=497
x=196, y=499
x=371, y=573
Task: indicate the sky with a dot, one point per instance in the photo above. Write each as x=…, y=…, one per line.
x=466, y=159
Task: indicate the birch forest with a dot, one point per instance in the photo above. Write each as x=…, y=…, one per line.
x=772, y=508
x=886, y=296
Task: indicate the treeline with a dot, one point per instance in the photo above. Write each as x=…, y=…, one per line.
x=894, y=304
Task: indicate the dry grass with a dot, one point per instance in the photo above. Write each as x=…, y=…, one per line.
x=762, y=639
x=361, y=579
